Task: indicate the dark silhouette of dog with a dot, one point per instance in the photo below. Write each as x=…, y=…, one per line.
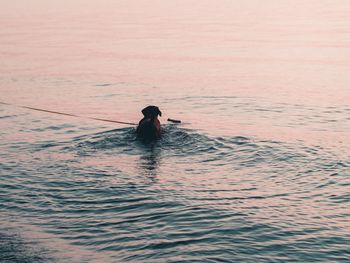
x=149, y=126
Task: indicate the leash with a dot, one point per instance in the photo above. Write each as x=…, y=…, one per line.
x=77, y=116
x=67, y=114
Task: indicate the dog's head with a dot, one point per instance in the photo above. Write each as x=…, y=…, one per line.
x=151, y=111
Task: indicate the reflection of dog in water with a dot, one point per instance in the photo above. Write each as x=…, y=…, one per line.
x=149, y=126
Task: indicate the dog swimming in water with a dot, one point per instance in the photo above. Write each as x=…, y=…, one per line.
x=149, y=126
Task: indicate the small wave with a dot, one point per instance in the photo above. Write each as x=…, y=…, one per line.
x=8, y=116
x=103, y=84
x=235, y=152
x=113, y=193
x=13, y=248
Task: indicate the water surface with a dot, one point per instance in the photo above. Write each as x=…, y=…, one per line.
x=257, y=171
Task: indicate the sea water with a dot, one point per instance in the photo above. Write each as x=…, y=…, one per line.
x=258, y=170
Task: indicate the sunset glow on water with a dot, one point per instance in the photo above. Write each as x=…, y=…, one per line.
x=258, y=170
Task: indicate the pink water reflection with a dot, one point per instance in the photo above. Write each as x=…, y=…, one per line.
x=268, y=71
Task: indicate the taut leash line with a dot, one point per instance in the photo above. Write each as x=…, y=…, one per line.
x=67, y=114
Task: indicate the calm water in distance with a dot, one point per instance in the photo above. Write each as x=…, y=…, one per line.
x=259, y=169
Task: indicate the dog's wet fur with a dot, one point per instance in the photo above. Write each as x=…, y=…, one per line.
x=149, y=126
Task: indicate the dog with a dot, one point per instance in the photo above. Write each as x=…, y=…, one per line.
x=149, y=126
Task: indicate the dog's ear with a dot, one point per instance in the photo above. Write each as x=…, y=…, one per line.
x=159, y=112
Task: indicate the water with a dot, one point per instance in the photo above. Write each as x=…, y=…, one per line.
x=257, y=171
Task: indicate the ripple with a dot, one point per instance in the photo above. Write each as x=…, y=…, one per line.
x=186, y=195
